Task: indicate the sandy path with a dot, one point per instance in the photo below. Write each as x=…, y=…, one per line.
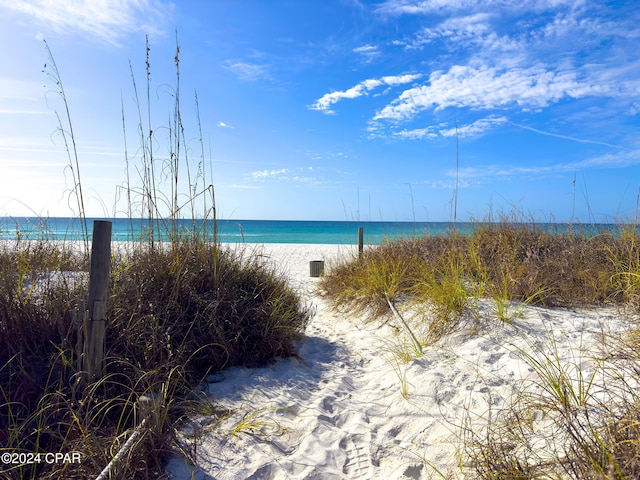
x=349, y=409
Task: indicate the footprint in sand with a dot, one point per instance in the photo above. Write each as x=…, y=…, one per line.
x=357, y=463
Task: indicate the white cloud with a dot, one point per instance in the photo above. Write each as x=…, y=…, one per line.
x=369, y=52
x=366, y=49
x=417, y=133
x=434, y=132
x=20, y=90
x=428, y=7
x=456, y=29
x=400, y=79
x=108, y=20
x=223, y=125
x=262, y=174
x=324, y=103
x=329, y=99
x=497, y=30
x=470, y=36
x=473, y=129
x=487, y=88
x=249, y=72
x=327, y=155
x=297, y=175
x=499, y=57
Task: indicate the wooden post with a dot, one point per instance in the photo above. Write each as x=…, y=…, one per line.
x=94, y=347
x=150, y=408
x=360, y=242
x=79, y=321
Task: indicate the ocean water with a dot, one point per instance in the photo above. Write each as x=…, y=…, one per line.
x=251, y=231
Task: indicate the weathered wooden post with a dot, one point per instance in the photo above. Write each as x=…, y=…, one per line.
x=360, y=242
x=94, y=327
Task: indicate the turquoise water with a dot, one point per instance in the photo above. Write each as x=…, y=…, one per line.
x=251, y=231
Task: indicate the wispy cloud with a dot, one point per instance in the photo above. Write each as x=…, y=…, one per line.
x=427, y=7
x=107, y=20
x=456, y=31
x=496, y=33
x=471, y=40
x=223, y=125
x=327, y=155
x=263, y=174
x=474, y=129
x=368, y=52
x=444, y=130
x=248, y=72
x=19, y=91
x=414, y=134
x=566, y=137
x=324, y=103
x=488, y=88
x=44, y=146
x=244, y=186
x=617, y=160
x=297, y=175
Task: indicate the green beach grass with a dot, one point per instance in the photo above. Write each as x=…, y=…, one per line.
x=593, y=430
x=177, y=311
x=175, y=315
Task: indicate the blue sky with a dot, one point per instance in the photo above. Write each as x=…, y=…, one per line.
x=332, y=109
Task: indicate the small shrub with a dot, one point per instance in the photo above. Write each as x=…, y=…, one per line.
x=203, y=303
x=505, y=261
x=175, y=313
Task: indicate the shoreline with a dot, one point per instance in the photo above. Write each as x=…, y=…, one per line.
x=342, y=232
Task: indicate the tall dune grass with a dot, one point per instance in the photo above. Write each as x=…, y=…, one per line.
x=504, y=260
x=178, y=309
x=590, y=406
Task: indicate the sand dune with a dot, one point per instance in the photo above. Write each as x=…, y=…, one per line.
x=349, y=408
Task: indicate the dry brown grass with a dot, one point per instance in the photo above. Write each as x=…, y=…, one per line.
x=174, y=315
x=516, y=261
x=589, y=431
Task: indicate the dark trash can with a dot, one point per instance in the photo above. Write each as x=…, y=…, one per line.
x=316, y=268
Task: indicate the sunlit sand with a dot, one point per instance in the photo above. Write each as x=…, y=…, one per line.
x=349, y=407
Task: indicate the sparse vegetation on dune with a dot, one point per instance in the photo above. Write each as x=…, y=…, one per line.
x=508, y=261
x=180, y=306
x=175, y=315
x=590, y=404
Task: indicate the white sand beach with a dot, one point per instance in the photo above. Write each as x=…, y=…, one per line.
x=349, y=408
